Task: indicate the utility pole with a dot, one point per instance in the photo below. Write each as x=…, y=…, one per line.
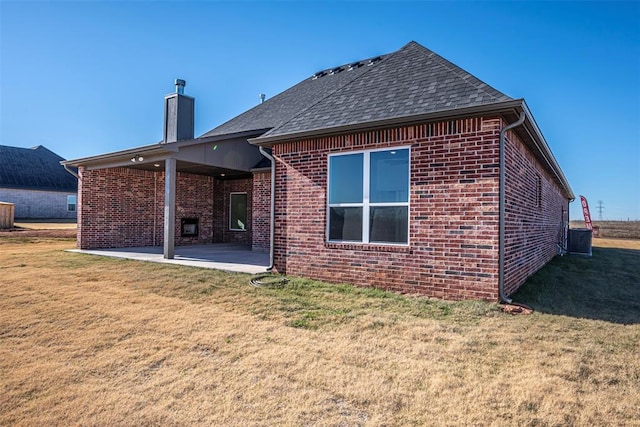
x=600, y=209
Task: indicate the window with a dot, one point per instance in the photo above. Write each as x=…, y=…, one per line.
x=238, y=212
x=369, y=197
x=71, y=203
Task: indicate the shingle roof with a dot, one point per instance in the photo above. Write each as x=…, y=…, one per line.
x=282, y=107
x=34, y=168
x=411, y=81
x=408, y=82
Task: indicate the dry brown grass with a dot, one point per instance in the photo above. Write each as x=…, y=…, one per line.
x=616, y=243
x=614, y=229
x=53, y=229
x=94, y=341
x=46, y=225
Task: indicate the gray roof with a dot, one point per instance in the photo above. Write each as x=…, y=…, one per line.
x=283, y=107
x=411, y=81
x=34, y=168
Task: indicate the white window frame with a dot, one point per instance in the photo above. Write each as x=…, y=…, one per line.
x=366, y=204
x=75, y=203
x=246, y=214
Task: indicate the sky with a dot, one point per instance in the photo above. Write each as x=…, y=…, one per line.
x=89, y=77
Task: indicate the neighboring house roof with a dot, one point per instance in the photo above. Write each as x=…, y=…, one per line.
x=408, y=82
x=34, y=168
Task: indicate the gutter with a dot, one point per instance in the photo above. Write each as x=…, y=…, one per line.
x=503, y=132
x=66, y=167
x=272, y=220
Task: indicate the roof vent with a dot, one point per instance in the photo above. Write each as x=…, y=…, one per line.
x=319, y=74
x=180, y=84
x=262, y=97
x=374, y=60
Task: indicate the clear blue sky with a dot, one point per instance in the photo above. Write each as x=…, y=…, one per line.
x=85, y=78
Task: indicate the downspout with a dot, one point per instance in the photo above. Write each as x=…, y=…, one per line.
x=501, y=242
x=272, y=221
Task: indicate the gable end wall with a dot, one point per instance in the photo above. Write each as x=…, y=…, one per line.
x=453, y=251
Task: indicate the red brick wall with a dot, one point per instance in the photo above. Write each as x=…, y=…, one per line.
x=194, y=199
x=223, y=190
x=535, y=211
x=121, y=207
x=453, y=251
x=261, y=222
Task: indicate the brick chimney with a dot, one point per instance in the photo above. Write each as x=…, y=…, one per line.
x=178, y=114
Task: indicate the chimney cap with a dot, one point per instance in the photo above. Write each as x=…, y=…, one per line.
x=180, y=84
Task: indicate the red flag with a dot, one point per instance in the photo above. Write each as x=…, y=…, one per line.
x=585, y=212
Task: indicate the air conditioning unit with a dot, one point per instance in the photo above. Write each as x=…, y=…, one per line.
x=580, y=241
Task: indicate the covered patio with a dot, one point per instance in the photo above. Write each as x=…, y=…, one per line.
x=173, y=193
x=222, y=256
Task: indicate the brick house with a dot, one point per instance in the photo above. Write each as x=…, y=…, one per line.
x=35, y=182
x=402, y=172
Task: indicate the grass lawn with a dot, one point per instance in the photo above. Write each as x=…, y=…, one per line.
x=87, y=340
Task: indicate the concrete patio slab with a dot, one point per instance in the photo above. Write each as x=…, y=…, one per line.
x=224, y=256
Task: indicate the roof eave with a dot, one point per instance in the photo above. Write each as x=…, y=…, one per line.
x=497, y=107
x=108, y=157
x=159, y=148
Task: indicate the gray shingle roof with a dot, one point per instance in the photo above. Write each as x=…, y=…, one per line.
x=408, y=82
x=282, y=107
x=411, y=81
x=34, y=168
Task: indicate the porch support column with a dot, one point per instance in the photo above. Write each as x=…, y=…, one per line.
x=169, y=206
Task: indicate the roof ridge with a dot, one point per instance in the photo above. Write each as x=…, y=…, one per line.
x=383, y=58
x=455, y=69
x=372, y=60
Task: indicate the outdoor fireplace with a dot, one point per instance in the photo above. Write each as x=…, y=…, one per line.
x=189, y=227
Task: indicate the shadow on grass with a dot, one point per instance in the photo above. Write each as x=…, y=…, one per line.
x=605, y=286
